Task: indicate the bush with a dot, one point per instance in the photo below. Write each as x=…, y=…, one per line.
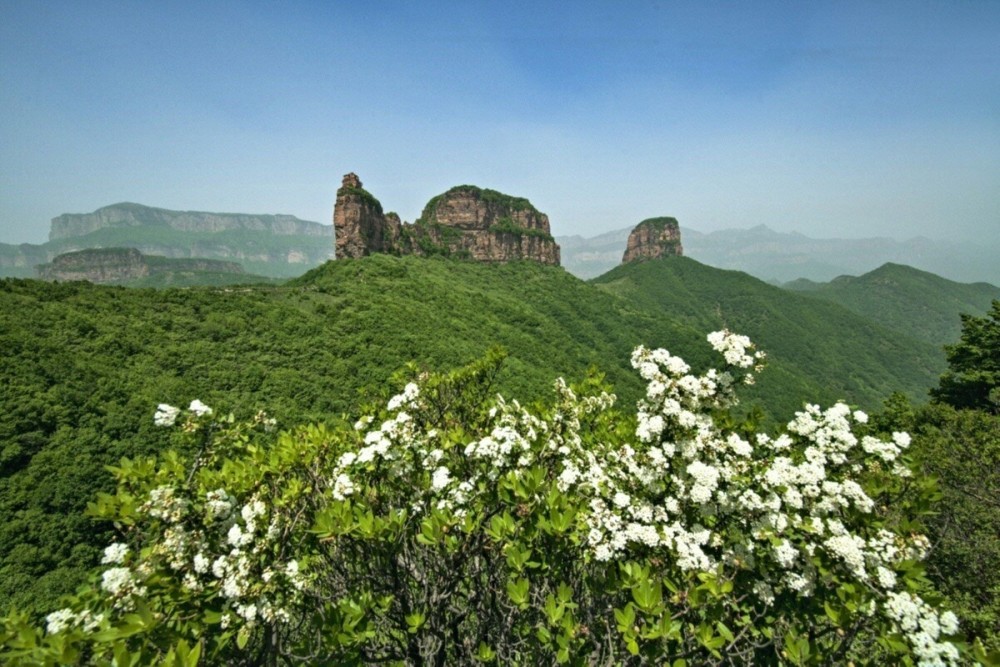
x=451, y=526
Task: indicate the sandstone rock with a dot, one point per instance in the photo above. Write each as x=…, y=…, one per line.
x=111, y=266
x=652, y=238
x=360, y=227
x=466, y=221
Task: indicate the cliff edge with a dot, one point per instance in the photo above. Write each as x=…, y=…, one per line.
x=652, y=238
x=466, y=221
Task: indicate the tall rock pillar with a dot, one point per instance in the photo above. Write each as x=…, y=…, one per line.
x=360, y=227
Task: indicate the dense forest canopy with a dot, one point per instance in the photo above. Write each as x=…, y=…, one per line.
x=85, y=366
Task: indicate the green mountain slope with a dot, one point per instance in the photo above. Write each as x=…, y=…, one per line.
x=848, y=356
x=920, y=304
x=84, y=366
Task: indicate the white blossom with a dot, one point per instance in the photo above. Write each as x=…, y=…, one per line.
x=115, y=553
x=165, y=415
x=199, y=409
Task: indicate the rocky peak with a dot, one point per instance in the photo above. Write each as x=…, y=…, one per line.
x=360, y=227
x=466, y=221
x=652, y=238
x=351, y=180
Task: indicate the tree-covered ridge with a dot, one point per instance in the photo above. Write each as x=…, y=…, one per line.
x=860, y=356
x=82, y=365
x=917, y=303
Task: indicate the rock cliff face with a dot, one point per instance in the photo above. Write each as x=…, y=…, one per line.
x=466, y=221
x=112, y=266
x=360, y=226
x=652, y=238
x=70, y=225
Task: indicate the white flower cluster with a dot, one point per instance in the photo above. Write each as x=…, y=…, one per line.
x=692, y=484
x=407, y=450
x=115, y=554
x=689, y=486
x=67, y=619
x=684, y=487
x=737, y=350
x=166, y=415
x=222, y=550
x=923, y=628
x=206, y=546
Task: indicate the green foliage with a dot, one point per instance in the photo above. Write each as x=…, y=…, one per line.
x=163, y=279
x=915, y=303
x=961, y=450
x=506, y=225
x=84, y=364
x=659, y=224
x=347, y=545
x=858, y=359
x=973, y=376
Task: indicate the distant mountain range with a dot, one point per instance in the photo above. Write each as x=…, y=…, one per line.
x=782, y=257
x=277, y=246
x=283, y=246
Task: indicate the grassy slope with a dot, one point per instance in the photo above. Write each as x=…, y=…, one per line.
x=921, y=304
x=848, y=356
x=84, y=366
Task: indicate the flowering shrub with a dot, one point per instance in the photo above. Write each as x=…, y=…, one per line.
x=454, y=526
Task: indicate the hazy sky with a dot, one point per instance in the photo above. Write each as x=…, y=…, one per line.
x=828, y=118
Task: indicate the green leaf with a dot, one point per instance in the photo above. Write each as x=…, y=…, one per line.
x=485, y=653
x=832, y=613
x=414, y=621
x=517, y=589
x=625, y=618
x=647, y=595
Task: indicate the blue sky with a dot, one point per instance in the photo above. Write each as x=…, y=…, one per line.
x=834, y=119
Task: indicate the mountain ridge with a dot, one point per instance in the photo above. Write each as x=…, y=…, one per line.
x=920, y=303
x=786, y=256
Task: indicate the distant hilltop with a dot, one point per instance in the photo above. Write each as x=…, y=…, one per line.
x=126, y=214
x=466, y=222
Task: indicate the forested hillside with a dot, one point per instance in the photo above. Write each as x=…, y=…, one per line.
x=920, y=304
x=814, y=343
x=85, y=366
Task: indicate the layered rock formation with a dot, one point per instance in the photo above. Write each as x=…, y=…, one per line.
x=652, y=238
x=279, y=246
x=466, y=221
x=71, y=225
x=113, y=266
x=360, y=226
